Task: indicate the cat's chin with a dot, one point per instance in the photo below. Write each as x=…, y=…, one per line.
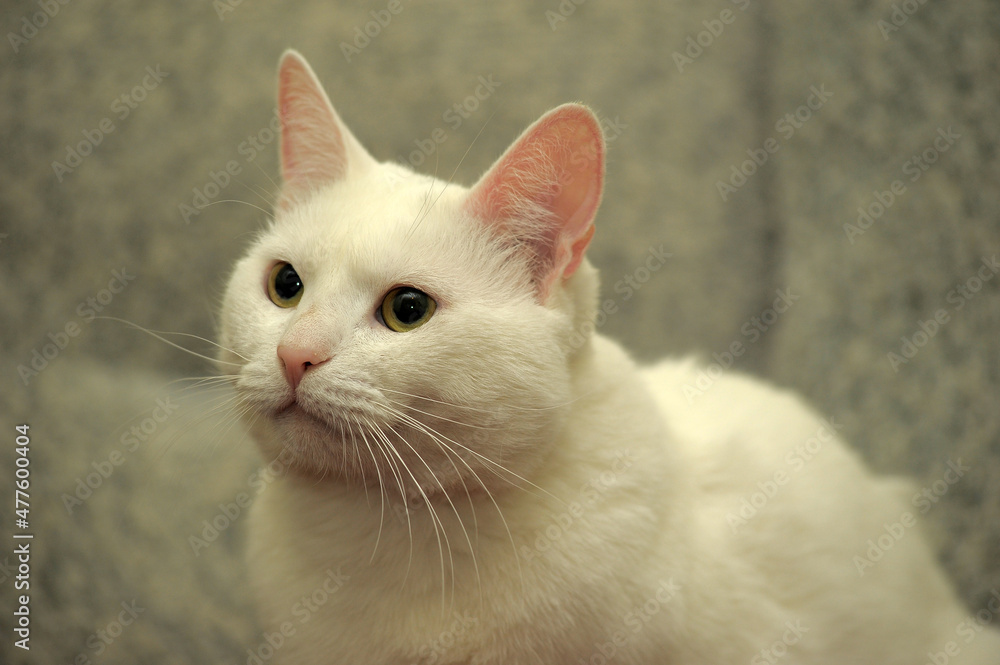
x=308, y=444
x=333, y=448
x=294, y=417
x=322, y=447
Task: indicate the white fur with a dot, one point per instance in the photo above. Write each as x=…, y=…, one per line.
x=583, y=513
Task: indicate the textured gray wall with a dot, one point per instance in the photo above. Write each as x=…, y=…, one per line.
x=679, y=132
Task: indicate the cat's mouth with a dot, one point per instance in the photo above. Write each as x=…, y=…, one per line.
x=295, y=411
x=330, y=417
x=357, y=433
x=332, y=404
x=325, y=440
x=292, y=409
x=316, y=439
x=290, y=406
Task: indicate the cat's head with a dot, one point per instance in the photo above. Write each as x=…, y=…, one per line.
x=390, y=326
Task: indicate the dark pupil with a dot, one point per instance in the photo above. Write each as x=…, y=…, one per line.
x=287, y=283
x=409, y=306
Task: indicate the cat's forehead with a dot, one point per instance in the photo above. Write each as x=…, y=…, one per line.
x=369, y=224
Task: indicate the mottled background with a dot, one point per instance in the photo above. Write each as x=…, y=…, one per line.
x=678, y=129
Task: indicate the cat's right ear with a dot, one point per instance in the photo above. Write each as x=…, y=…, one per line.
x=544, y=191
x=317, y=149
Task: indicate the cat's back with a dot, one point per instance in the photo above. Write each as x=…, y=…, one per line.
x=762, y=460
x=732, y=424
x=784, y=507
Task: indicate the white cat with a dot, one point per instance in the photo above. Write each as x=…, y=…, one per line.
x=471, y=476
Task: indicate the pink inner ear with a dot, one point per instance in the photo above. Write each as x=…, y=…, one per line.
x=312, y=144
x=545, y=190
x=577, y=250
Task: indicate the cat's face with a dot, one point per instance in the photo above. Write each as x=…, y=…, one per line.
x=392, y=328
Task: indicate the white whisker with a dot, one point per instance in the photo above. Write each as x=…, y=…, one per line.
x=478, y=409
x=421, y=218
x=394, y=468
x=381, y=486
x=434, y=415
x=441, y=439
x=454, y=509
x=159, y=335
x=246, y=203
x=435, y=520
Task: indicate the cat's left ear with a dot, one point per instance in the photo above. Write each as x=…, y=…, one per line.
x=317, y=149
x=543, y=193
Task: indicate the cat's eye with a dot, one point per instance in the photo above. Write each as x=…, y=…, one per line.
x=284, y=286
x=406, y=308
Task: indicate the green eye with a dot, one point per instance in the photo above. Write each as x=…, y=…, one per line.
x=284, y=286
x=406, y=308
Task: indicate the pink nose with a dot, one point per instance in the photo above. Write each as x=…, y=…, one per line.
x=297, y=360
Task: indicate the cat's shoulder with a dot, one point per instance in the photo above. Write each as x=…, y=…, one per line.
x=730, y=420
x=687, y=387
x=747, y=443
